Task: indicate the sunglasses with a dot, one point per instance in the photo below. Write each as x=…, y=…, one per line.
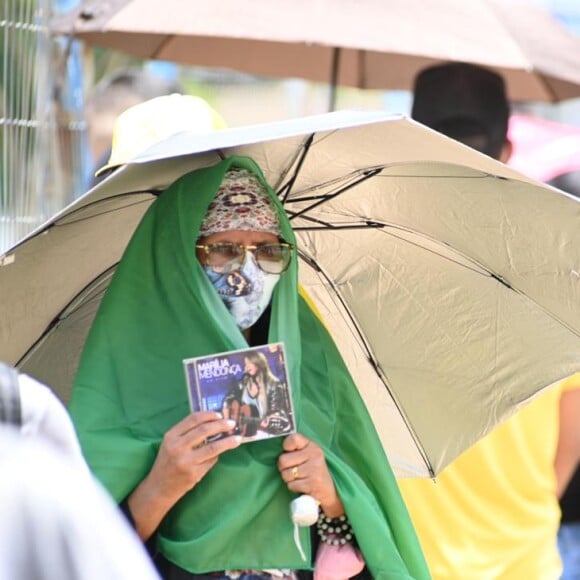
x=225, y=257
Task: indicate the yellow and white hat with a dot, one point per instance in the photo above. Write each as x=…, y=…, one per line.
x=147, y=123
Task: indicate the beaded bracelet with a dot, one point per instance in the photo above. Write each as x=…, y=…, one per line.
x=334, y=531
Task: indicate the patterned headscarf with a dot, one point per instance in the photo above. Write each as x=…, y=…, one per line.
x=241, y=203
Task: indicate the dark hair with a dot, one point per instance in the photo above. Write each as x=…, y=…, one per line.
x=465, y=102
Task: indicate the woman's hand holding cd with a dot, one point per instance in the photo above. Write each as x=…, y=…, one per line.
x=183, y=459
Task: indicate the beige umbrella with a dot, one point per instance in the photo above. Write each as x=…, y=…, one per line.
x=370, y=44
x=449, y=282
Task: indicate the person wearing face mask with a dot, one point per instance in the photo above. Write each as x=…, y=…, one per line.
x=212, y=267
x=244, y=278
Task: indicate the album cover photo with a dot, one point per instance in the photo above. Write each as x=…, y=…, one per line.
x=250, y=386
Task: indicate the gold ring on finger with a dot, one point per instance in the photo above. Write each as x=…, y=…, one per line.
x=294, y=473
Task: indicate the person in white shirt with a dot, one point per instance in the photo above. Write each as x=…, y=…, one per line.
x=58, y=522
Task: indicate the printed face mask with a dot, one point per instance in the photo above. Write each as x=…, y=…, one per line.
x=246, y=292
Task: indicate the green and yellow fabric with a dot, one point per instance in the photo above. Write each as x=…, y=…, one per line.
x=130, y=389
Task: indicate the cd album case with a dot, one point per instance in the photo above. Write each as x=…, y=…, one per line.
x=250, y=386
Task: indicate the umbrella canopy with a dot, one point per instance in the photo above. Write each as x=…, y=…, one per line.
x=374, y=44
x=449, y=282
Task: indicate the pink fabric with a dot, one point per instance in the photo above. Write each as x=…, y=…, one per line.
x=337, y=562
x=543, y=149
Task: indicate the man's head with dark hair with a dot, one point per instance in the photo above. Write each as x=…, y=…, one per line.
x=465, y=102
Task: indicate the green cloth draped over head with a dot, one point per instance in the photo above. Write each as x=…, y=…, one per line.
x=130, y=389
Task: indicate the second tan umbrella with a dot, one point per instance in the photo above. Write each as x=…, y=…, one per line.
x=369, y=44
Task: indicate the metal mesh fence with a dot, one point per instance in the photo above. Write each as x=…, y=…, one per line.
x=38, y=138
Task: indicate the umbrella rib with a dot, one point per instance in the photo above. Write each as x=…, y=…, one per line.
x=286, y=189
x=481, y=269
x=59, y=317
x=157, y=54
x=552, y=95
x=335, y=67
x=329, y=226
x=154, y=193
x=48, y=226
x=371, y=358
x=367, y=174
x=387, y=229
x=324, y=196
x=370, y=172
x=477, y=267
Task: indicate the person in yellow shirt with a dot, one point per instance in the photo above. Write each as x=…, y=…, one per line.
x=494, y=513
